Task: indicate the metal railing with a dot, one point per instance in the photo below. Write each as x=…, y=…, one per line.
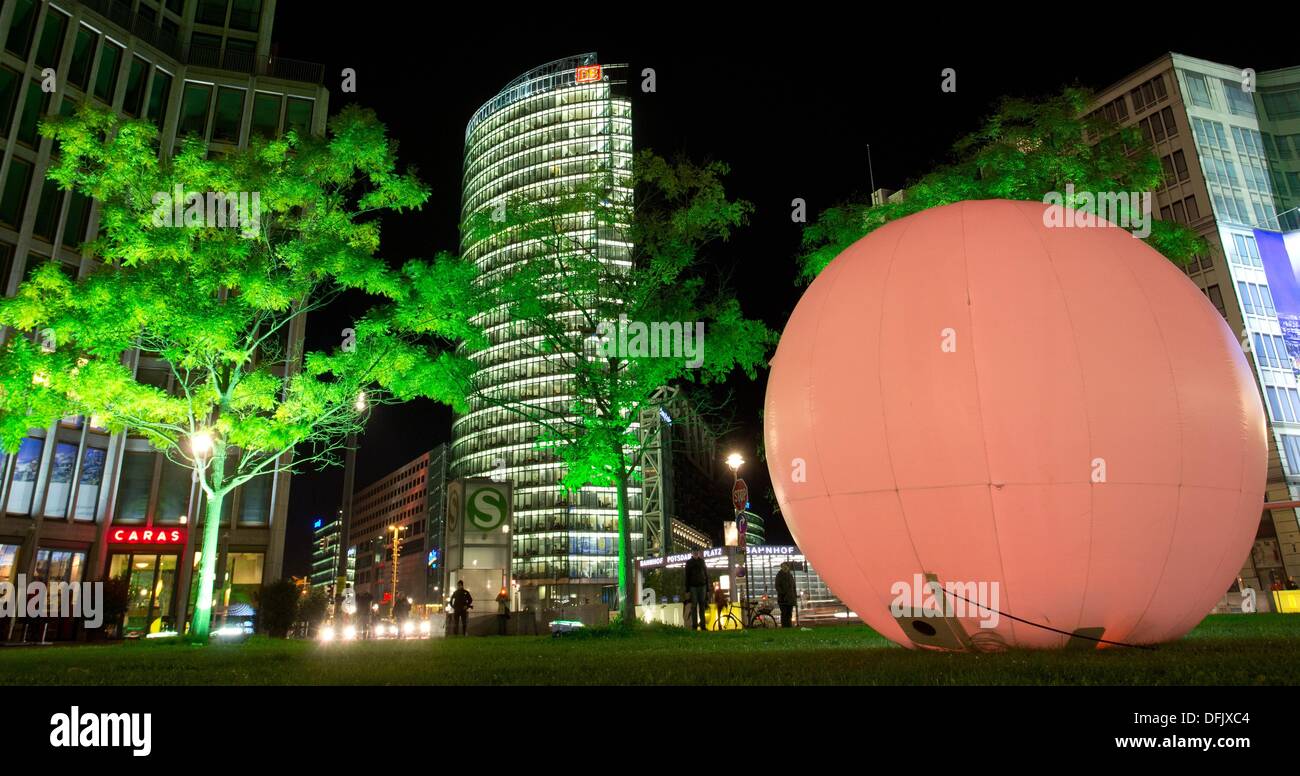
x=119, y=13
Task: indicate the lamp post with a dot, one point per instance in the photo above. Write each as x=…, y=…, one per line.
x=734, y=462
x=345, y=514
x=396, y=531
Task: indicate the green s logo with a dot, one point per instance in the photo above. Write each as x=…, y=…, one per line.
x=487, y=509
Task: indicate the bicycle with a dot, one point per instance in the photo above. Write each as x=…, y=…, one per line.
x=756, y=615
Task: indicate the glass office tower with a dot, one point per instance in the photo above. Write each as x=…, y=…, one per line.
x=560, y=125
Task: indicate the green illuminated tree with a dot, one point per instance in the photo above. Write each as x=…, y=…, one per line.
x=223, y=300
x=1025, y=150
x=603, y=266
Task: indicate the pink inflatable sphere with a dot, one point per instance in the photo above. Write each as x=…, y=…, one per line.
x=1051, y=423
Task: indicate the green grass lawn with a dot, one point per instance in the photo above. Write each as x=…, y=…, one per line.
x=1224, y=649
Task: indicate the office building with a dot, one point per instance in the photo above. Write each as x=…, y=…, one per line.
x=1229, y=144
x=325, y=547
x=562, y=124
x=79, y=503
x=412, y=500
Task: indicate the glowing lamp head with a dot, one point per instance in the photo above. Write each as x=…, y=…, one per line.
x=734, y=462
x=201, y=444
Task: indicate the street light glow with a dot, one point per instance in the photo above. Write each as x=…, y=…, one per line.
x=200, y=443
x=734, y=461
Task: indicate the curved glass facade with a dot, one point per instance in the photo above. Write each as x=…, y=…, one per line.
x=561, y=125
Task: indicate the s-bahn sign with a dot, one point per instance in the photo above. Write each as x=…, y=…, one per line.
x=147, y=536
x=486, y=507
x=478, y=525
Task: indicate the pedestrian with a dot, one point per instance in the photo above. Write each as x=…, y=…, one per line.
x=719, y=603
x=697, y=582
x=1291, y=584
x=786, y=594
x=503, y=611
x=365, y=609
x=461, y=603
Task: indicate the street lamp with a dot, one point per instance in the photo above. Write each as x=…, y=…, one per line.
x=734, y=462
x=345, y=513
x=736, y=556
x=396, y=531
x=200, y=444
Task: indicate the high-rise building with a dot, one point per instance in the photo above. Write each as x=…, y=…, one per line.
x=1229, y=142
x=564, y=124
x=80, y=503
x=412, y=499
x=325, y=547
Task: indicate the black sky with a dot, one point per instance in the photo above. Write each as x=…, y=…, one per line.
x=789, y=101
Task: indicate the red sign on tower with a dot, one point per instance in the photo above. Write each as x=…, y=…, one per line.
x=587, y=74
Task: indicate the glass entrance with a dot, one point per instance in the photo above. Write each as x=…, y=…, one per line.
x=151, y=583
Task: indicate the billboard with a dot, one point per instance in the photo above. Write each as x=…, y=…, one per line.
x=1280, y=254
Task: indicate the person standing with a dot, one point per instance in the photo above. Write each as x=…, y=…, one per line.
x=461, y=603
x=786, y=594
x=503, y=611
x=697, y=583
x=720, y=604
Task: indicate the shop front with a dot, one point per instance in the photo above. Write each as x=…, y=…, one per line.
x=147, y=558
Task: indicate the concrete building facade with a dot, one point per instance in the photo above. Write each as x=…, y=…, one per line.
x=192, y=67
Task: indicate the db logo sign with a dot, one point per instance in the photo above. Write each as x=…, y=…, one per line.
x=486, y=508
x=587, y=74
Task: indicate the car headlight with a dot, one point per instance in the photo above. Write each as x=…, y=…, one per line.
x=350, y=632
x=426, y=627
x=327, y=633
x=408, y=628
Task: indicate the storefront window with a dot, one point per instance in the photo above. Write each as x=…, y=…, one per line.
x=59, y=565
x=26, y=464
x=243, y=583
x=8, y=562
x=60, y=490
x=151, y=584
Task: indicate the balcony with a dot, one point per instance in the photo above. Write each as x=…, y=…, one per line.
x=119, y=13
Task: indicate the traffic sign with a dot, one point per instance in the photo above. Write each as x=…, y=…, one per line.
x=739, y=495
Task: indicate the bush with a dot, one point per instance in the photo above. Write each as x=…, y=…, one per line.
x=279, y=607
x=312, y=609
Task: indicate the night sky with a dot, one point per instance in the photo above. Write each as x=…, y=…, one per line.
x=789, y=104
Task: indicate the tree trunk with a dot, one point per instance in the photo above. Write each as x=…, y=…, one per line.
x=626, y=580
x=202, y=623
